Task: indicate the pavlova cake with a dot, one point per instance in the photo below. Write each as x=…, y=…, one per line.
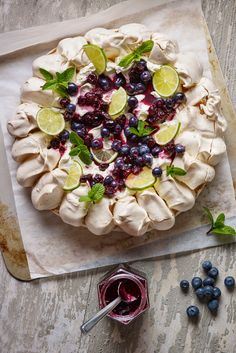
x=117, y=130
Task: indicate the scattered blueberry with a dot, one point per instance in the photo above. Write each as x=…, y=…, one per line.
x=147, y=159
x=117, y=129
x=208, y=292
x=104, y=82
x=114, y=184
x=128, y=133
x=64, y=135
x=55, y=143
x=92, y=78
x=130, y=87
x=108, y=180
x=184, y=284
x=81, y=132
x=200, y=293
x=229, y=282
x=76, y=126
x=143, y=149
x=209, y=281
x=179, y=97
x=179, y=149
x=145, y=76
x=216, y=292
x=119, y=163
x=64, y=102
x=133, y=121
x=71, y=108
x=196, y=282
x=134, y=152
x=169, y=103
x=155, y=151
x=96, y=144
x=132, y=102
x=192, y=311
x=105, y=132
x=140, y=88
x=206, y=265
x=213, y=272
x=98, y=178
x=116, y=145
x=103, y=166
x=119, y=80
x=124, y=150
x=157, y=171
x=110, y=124
x=213, y=305
x=72, y=89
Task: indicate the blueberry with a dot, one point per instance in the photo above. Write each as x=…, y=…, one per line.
x=196, y=282
x=145, y=76
x=119, y=80
x=179, y=149
x=216, y=292
x=55, y=143
x=159, y=102
x=130, y=87
x=157, y=172
x=184, y=284
x=179, y=97
x=213, y=272
x=206, y=265
x=117, y=129
x=169, y=103
x=208, y=292
x=143, y=149
x=108, y=180
x=128, y=133
x=134, y=152
x=116, y=145
x=140, y=88
x=119, y=163
x=72, y=89
x=64, y=135
x=71, y=108
x=124, y=150
x=96, y=144
x=98, y=178
x=104, y=82
x=64, y=102
x=229, y=282
x=76, y=126
x=192, y=311
x=105, y=132
x=133, y=121
x=200, y=293
x=92, y=78
x=209, y=281
x=132, y=102
x=138, y=161
x=114, y=184
x=103, y=166
x=155, y=151
x=147, y=159
x=213, y=305
x=81, y=132
x=110, y=124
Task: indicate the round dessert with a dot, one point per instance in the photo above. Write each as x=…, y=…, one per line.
x=117, y=130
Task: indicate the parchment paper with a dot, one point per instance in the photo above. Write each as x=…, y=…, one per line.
x=48, y=246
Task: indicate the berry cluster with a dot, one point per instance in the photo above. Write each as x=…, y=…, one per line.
x=205, y=289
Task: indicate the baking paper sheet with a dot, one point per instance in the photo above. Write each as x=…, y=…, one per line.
x=47, y=246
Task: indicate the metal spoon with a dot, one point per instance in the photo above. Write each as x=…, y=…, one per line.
x=122, y=297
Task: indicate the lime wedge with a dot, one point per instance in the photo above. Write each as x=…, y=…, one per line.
x=50, y=122
x=167, y=133
x=104, y=155
x=165, y=81
x=97, y=57
x=73, y=178
x=118, y=102
x=141, y=181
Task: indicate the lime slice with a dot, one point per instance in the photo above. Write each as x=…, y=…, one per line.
x=97, y=56
x=104, y=155
x=141, y=181
x=118, y=102
x=167, y=133
x=50, y=122
x=165, y=81
x=73, y=178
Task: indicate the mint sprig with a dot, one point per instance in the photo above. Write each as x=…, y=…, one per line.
x=95, y=194
x=136, y=55
x=142, y=129
x=173, y=171
x=79, y=149
x=57, y=83
x=218, y=226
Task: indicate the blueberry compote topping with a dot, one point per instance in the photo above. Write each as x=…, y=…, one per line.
x=133, y=151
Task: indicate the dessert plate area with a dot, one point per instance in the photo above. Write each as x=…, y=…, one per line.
x=38, y=244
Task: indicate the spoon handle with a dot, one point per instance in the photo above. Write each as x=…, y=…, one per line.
x=88, y=325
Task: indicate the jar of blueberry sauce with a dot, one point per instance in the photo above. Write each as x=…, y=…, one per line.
x=134, y=284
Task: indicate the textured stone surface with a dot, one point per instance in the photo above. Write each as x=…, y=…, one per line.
x=44, y=316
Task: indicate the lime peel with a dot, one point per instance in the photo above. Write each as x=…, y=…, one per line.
x=143, y=180
x=165, y=81
x=73, y=178
x=97, y=56
x=118, y=102
x=50, y=122
x=167, y=133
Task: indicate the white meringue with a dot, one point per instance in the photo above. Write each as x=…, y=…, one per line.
x=189, y=69
x=30, y=170
x=164, y=50
x=130, y=217
x=134, y=35
x=177, y=196
x=99, y=219
x=159, y=214
x=72, y=50
x=51, y=62
x=48, y=192
x=24, y=121
x=72, y=211
x=32, y=92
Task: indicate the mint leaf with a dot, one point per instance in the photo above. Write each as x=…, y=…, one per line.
x=74, y=151
x=85, y=156
x=49, y=85
x=145, y=47
x=141, y=125
x=46, y=74
x=172, y=171
x=66, y=75
x=127, y=60
x=142, y=129
x=75, y=139
x=147, y=131
x=209, y=215
x=60, y=90
x=220, y=220
x=85, y=199
x=225, y=230
x=95, y=194
x=134, y=131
